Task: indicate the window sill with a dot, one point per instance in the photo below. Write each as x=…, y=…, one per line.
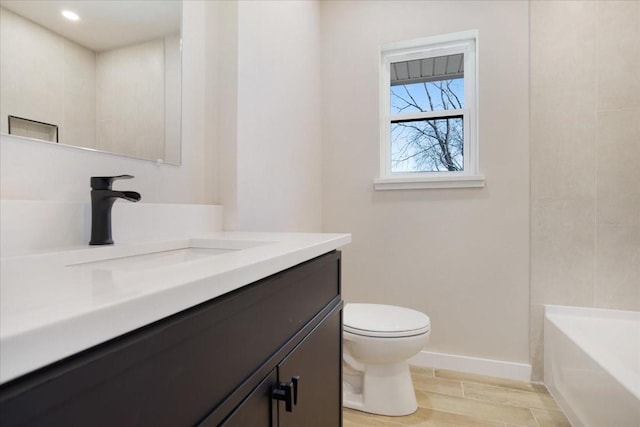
x=421, y=183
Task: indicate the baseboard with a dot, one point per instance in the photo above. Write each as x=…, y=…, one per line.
x=473, y=365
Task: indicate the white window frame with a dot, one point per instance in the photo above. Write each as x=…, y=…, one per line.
x=464, y=42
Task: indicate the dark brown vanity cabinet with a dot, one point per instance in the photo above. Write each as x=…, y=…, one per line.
x=309, y=374
x=224, y=362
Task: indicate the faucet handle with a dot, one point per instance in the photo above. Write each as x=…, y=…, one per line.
x=104, y=182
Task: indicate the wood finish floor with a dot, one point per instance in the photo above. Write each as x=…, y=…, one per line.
x=453, y=399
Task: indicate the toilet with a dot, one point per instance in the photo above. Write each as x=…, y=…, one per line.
x=378, y=341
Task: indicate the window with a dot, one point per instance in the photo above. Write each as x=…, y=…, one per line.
x=429, y=114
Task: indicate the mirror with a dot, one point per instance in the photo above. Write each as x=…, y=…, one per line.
x=109, y=81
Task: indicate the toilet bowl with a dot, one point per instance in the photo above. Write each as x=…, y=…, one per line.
x=378, y=341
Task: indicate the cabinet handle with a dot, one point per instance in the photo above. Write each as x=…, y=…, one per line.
x=284, y=392
x=295, y=380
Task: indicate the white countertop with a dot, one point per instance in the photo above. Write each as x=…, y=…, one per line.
x=56, y=304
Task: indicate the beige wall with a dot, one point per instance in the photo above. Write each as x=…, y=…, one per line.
x=47, y=78
x=459, y=255
x=585, y=152
x=271, y=172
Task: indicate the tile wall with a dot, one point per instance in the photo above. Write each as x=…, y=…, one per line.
x=585, y=158
x=130, y=99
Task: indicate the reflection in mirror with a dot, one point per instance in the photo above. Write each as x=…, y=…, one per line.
x=109, y=81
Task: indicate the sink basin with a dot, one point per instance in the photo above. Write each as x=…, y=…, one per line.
x=148, y=257
x=157, y=259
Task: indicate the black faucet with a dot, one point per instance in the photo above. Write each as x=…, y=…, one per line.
x=102, y=198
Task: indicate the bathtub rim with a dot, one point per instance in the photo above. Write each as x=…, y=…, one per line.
x=624, y=375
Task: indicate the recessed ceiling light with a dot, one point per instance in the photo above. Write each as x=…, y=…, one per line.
x=70, y=15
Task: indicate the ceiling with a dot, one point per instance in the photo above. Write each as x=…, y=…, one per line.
x=427, y=69
x=104, y=24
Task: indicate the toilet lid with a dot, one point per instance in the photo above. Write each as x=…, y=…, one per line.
x=378, y=320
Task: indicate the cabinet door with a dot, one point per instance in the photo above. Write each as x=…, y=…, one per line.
x=317, y=361
x=257, y=410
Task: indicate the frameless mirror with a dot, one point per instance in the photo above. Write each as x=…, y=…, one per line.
x=107, y=79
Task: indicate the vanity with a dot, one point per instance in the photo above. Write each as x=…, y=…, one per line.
x=233, y=329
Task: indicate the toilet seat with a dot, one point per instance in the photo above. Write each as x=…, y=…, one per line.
x=384, y=321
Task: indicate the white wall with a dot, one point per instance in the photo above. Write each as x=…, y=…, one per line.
x=275, y=184
x=459, y=255
x=41, y=171
x=223, y=87
x=37, y=226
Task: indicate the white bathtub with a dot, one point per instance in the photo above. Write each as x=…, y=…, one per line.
x=592, y=364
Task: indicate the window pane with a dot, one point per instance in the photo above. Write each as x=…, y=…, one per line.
x=433, y=145
x=427, y=96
